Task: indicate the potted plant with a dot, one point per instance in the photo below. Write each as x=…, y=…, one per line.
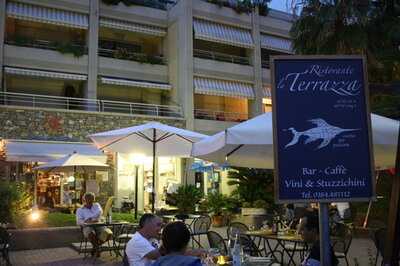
x=254, y=187
x=186, y=197
x=215, y=204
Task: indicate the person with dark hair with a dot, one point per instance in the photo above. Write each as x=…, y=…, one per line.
x=175, y=238
x=140, y=251
x=309, y=229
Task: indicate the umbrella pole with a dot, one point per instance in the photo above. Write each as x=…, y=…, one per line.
x=136, y=190
x=154, y=171
x=75, y=187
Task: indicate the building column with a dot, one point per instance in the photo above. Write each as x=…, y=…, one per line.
x=92, y=42
x=255, y=106
x=180, y=58
x=180, y=54
x=2, y=34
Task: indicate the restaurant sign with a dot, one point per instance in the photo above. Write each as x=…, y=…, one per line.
x=322, y=129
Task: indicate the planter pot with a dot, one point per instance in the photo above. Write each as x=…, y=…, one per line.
x=217, y=220
x=254, y=211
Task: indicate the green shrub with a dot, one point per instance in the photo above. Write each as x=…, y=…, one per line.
x=186, y=197
x=16, y=199
x=216, y=202
x=252, y=184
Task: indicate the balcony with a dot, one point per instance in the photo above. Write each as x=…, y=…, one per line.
x=80, y=104
x=124, y=54
x=76, y=50
x=38, y=57
x=221, y=57
x=220, y=115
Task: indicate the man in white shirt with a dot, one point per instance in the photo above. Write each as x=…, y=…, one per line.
x=139, y=250
x=90, y=213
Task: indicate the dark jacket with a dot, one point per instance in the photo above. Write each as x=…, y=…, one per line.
x=177, y=260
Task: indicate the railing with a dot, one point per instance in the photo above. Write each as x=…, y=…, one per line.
x=66, y=103
x=158, y=4
x=72, y=48
x=264, y=64
x=221, y=57
x=220, y=115
x=124, y=54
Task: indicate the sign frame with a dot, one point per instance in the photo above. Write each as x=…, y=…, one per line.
x=275, y=131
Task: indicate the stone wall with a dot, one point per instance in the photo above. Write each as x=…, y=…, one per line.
x=50, y=124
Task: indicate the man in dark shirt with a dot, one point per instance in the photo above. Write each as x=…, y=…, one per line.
x=310, y=233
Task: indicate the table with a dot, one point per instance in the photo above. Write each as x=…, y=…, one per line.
x=115, y=226
x=189, y=217
x=281, y=239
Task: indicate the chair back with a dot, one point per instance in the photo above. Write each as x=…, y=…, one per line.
x=236, y=228
x=344, y=242
x=215, y=240
x=108, y=206
x=201, y=225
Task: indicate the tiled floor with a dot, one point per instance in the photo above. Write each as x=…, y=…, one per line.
x=361, y=250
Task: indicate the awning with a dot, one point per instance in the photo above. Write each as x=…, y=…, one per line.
x=219, y=87
x=135, y=83
x=47, y=15
x=43, y=74
x=276, y=43
x=132, y=26
x=46, y=151
x=216, y=32
x=266, y=91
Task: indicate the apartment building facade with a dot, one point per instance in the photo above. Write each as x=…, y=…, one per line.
x=75, y=67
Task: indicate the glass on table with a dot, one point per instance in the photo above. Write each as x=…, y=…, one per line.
x=210, y=257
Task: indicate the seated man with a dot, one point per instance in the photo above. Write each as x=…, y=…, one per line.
x=89, y=213
x=140, y=250
x=309, y=229
x=175, y=238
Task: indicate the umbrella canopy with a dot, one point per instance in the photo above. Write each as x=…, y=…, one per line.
x=73, y=163
x=250, y=144
x=151, y=139
x=170, y=141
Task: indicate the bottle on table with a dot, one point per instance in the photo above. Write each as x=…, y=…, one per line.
x=237, y=252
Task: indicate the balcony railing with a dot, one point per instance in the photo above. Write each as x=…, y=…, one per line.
x=158, y=4
x=221, y=57
x=124, y=54
x=220, y=115
x=75, y=49
x=264, y=64
x=66, y=103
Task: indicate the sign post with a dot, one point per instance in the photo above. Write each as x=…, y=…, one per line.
x=322, y=133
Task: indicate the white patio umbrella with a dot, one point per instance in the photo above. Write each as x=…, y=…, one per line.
x=151, y=139
x=250, y=144
x=73, y=163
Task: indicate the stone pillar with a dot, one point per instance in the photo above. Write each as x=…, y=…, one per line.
x=92, y=42
x=255, y=106
x=2, y=34
x=180, y=57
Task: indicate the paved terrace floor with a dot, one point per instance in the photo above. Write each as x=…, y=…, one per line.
x=362, y=249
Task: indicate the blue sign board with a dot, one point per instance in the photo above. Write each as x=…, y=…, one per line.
x=322, y=131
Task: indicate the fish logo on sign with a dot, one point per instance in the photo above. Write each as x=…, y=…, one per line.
x=323, y=131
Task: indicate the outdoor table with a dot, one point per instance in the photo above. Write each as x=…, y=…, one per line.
x=281, y=239
x=174, y=218
x=114, y=228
